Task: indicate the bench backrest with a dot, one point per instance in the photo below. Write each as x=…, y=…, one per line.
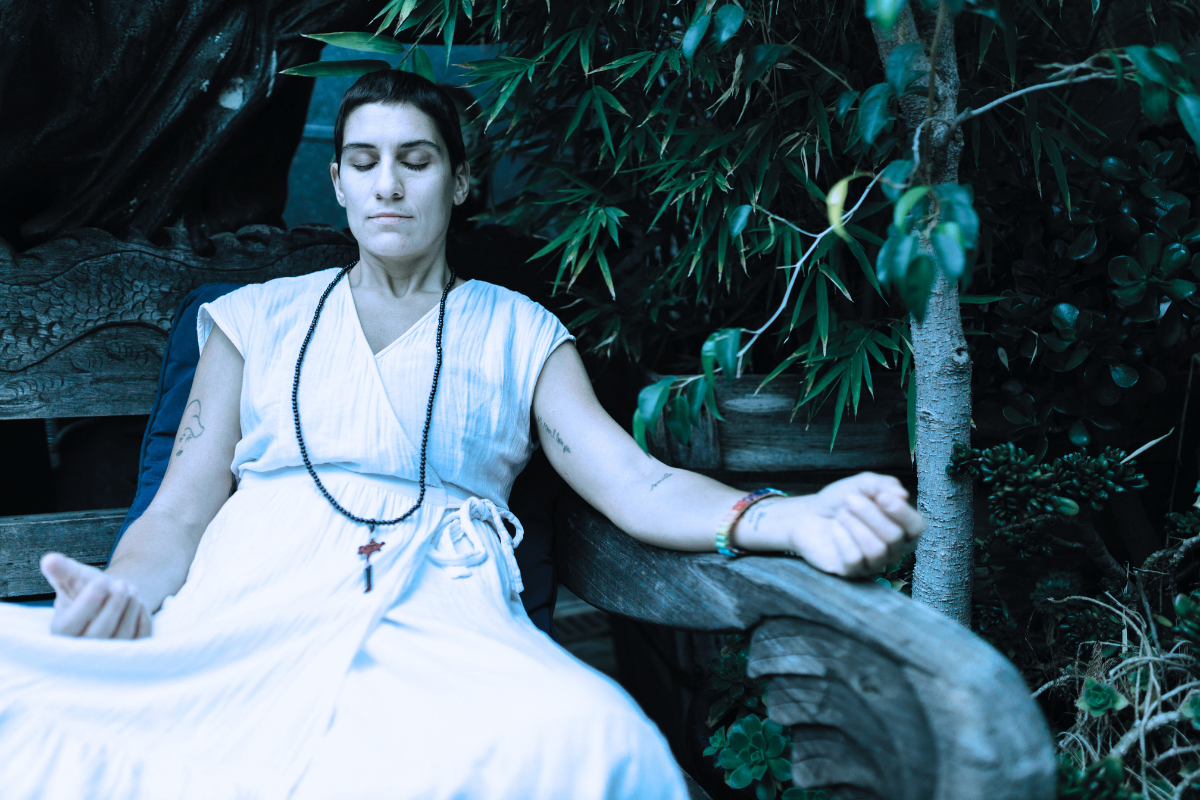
x=84, y=320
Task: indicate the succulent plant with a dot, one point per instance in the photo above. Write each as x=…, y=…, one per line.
x=1097, y=698
x=1187, y=616
x=751, y=751
x=1103, y=780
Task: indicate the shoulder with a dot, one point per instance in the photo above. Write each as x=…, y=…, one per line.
x=296, y=286
x=502, y=302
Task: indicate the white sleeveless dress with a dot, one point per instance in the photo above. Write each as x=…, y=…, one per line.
x=272, y=674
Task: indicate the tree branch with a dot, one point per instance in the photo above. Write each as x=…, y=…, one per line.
x=933, y=53
x=1089, y=541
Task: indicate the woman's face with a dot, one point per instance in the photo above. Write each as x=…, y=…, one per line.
x=395, y=181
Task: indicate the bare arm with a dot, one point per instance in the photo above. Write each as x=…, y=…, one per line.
x=154, y=556
x=851, y=527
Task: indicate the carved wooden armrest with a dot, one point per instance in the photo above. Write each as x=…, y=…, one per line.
x=885, y=698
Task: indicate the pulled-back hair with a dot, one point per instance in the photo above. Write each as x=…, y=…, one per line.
x=393, y=87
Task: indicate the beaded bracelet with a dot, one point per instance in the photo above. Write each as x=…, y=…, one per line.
x=735, y=513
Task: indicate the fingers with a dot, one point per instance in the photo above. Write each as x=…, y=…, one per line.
x=891, y=496
x=106, y=608
x=75, y=618
x=66, y=575
x=874, y=485
x=104, y=624
x=903, y=515
x=872, y=551
x=127, y=627
x=144, y=623
x=870, y=514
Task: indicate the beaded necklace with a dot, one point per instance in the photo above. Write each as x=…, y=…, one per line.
x=372, y=547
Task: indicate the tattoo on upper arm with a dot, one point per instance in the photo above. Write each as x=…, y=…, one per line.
x=551, y=435
x=192, y=428
x=654, y=485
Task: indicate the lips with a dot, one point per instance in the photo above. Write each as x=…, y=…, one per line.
x=389, y=216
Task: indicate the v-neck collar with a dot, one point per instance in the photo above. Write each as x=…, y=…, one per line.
x=348, y=307
x=353, y=310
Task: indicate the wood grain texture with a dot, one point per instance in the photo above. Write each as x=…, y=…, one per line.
x=84, y=317
x=84, y=535
x=759, y=433
x=886, y=699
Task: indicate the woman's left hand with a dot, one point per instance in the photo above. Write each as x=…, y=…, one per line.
x=855, y=526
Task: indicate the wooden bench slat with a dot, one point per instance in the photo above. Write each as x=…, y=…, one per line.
x=84, y=535
x=759, y=433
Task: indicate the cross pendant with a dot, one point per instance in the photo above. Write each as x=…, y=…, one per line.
x=368, y=550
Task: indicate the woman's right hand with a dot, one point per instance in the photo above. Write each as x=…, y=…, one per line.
x=93, y=604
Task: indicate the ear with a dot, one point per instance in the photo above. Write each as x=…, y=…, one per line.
x=462, y=183
x=336, y=177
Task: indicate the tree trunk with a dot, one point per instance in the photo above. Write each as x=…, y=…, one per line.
x=945, y=556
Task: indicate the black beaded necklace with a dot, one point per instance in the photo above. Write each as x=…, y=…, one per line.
x=373, y=546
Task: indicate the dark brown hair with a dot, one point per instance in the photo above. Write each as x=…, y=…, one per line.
x=393, y=87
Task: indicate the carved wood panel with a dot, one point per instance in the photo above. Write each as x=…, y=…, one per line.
x=84, y=317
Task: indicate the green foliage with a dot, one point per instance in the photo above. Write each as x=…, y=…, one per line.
x=727, y=675
x=1187, y=617
x=1098, y=307
x=752, y=753
x=678, y=167
x=1103, y=780
x=1098, y=698
x=1019, y=488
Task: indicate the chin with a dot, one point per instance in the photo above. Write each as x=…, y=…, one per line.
x=393, y=246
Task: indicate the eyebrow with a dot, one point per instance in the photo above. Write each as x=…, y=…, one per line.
x=405, y=146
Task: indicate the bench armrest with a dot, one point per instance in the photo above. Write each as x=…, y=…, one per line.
x=885, y=697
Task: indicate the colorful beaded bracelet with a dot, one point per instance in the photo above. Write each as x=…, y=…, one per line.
x=735, y=513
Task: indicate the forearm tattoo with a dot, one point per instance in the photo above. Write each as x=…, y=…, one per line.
x=192, y=428
x=551, y=435
x=654, y=485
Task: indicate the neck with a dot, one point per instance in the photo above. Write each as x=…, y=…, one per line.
x=401, y=278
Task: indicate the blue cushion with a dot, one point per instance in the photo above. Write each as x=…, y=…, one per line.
x=532, y=498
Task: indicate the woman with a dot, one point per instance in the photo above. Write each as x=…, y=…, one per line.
x=348, y=622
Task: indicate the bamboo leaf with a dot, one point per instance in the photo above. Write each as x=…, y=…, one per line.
x=694, y=35
x=1060, y=172
x=423, y=66
x=363, y=42
x=839, y=406
x=580, y=106
x=726, y=21
x=337, y=69
x=835, y=204
x=599, y=108
x=762, y=57
x=738, y=219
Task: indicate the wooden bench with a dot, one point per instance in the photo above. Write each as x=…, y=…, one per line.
x=884, y=698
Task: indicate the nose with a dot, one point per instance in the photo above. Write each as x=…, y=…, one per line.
x=389, y=185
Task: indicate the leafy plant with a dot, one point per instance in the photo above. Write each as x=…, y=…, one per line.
x=1098, y=698
x=727, y=675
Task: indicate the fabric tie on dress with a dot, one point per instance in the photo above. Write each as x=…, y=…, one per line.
x=479, y=509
